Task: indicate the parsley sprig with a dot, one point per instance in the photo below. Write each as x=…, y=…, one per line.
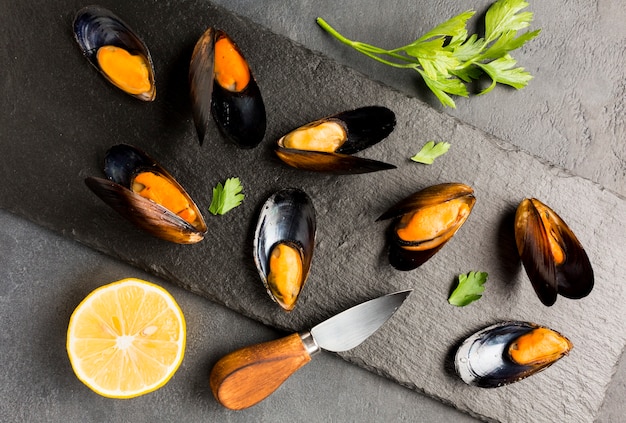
x=447, y=58
x=430, y=151
x=226, y=197
x=469, y=289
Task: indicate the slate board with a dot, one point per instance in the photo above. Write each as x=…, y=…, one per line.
x=58, y=117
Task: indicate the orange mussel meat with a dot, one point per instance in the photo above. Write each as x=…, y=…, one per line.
x=425, y=221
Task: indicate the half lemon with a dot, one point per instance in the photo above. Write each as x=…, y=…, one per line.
x=126, y=338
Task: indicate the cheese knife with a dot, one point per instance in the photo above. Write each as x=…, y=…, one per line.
x=248, y=375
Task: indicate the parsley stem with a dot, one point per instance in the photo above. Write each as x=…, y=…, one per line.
x=368, y=49
x=326, y=27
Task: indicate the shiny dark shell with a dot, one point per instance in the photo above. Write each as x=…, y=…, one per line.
x=287, y=216
x=122, y=162
x=240, y=116
x=364, y=127
x=483, y=359
x=571, y=277
x=95, y=26
x=405, y=259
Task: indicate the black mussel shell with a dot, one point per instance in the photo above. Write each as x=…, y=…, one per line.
x=405, y=260
x=408, y=255
x=363, y=128
x=554, y=259
x=366, y=126
x=484, y=358
x=338, y=164
x=288, y=216
x=201, y=82
x=95, y=27
x=122, y=163
x=239, y=115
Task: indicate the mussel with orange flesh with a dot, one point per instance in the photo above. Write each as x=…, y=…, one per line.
x=554, y=259
x=283, y=245
x=425, y=221
x=115, y=51
x=328, y=144
x=222, y=85
x=147, y=195
x=507, y=352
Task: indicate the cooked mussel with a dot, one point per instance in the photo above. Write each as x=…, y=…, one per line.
x=146, y=194
x=115, y=51
x=327, y=144
x=508, y=352
x=283, y=244
x=425, y=221
x=554, y=259
x=222, y=84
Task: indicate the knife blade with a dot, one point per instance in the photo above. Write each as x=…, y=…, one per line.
x=248, y=375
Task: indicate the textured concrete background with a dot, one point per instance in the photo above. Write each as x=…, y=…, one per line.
x=400, y=402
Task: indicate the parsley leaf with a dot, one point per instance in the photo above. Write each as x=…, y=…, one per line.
x=447, y=59
x=453, y=27
x=469, y=289
x=430, y=151
x=503, y=16
x=226, y=197
x=502, y=70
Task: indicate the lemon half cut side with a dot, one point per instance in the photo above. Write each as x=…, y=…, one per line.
x=126, y=339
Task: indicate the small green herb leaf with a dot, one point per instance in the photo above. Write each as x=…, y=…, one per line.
x=502, y=70
x=503, y=16
x=226, y=197
x=430, y=152
x=453, y=27
x=469, y=289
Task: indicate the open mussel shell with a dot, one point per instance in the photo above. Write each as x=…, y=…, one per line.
x=283, y=244
x=115, y=51
x=222, y=85
x=425, y=221
x=328, y=144
x=147, y=195
x=507, y=352
x=554, y=259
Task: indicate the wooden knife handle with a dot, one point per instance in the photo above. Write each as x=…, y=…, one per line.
x=246, y=376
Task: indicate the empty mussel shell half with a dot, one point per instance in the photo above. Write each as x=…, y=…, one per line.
x=147, y=195
x=328, y=144
x=222, y=85
x=554, y=259
x=283, y=244
x=115, y=51
x=508, y=352
x=425, y=221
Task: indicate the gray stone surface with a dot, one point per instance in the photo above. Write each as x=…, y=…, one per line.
x=66, y=127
